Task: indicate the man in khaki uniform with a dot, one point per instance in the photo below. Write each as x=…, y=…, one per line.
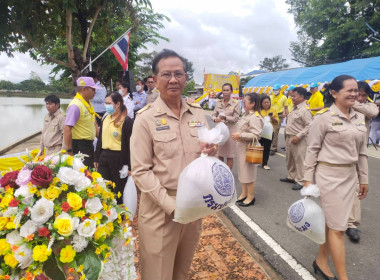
x=297, y=128
x=370, y=111
x=54, y=123
x=152, y=92
x=165, y=141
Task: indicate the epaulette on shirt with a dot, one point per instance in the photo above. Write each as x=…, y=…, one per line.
x=257, y=114
x=322, y=111
x=146, y=107
x=235, y=101
x=195, y=105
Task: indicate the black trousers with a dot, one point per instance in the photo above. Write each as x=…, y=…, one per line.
x=109, y=166
x=85, y=147
x=266, y=143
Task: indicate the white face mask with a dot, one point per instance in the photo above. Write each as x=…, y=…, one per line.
x=276, y=92
x=121, y=91
x=138, y=88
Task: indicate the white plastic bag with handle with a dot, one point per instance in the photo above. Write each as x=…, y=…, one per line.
x=130, y=197
x=206, y=185
x=267, y=131
x=306, y=217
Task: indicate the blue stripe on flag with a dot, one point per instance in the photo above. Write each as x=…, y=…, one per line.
x=123, y=45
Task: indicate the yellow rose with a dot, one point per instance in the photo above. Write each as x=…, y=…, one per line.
x=11, y=224
x=96, y=217
x=101, y=232
x=3, y=222
x=51, y=193
x=64, y=225
x=4, y=247
x=41, y=253
x=74, y=200
x=10, y=260
x=6, y=200
x=110, y=227
x=67, y=254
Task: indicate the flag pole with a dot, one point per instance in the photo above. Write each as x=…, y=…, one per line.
x=106, y=49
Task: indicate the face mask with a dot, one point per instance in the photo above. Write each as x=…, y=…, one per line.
x=276, y=92
x=138, y=88
x=109, y=109
x=121, y=91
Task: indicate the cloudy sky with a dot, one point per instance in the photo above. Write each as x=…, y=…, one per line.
x=216, y=35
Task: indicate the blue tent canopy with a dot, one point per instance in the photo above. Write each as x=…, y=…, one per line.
x=360, y=69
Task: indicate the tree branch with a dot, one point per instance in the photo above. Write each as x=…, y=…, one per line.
x=69, y=44
x=88, y=37
x=43, y=53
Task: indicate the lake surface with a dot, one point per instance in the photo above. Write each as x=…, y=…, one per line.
x=21, y=116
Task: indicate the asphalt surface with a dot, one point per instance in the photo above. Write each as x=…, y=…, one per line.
x=273, y=199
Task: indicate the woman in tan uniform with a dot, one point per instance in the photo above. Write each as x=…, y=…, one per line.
x=249, y=128
x=335, y=160
x=227, y=111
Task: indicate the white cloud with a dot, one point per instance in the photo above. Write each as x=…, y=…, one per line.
x=217, y=35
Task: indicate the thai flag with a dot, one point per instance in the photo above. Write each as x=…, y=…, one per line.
x=120, y=50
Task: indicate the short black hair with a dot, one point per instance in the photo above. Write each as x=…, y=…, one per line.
x=365, y=86
x=149, y=77
x=166, y=53
x=92, y=74
x=301, y=91
x=52, y=99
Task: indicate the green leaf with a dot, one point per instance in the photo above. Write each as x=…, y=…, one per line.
x=52, y=270
x=92, y=265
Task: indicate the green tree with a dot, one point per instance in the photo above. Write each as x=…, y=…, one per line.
x=273, y=64
x=32, y=85
x=7, y=85
x=190, y=86
x=63, y=32
x=334, y=30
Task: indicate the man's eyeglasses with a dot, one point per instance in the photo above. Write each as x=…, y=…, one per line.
x=177, y=75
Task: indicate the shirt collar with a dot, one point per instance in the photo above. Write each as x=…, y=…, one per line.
x=162, y=108
x=302, y=104
x=338, y=112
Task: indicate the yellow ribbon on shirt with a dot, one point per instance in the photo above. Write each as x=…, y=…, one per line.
x=277, y=98
x=88, y=106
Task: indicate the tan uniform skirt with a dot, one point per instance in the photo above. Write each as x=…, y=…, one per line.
x=337, y=186
x=228, y=149
x=246, y=171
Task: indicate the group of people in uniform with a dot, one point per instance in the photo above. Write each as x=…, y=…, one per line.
x=327, y=148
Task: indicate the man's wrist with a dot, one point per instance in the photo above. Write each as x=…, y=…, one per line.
x=69, y=150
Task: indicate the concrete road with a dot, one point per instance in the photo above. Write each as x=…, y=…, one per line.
x=269, y=213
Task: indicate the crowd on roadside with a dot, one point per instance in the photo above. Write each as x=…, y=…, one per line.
x=326, y=133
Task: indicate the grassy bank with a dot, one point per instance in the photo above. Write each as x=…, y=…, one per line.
x=35, y=94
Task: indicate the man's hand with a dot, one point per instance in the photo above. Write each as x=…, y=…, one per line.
x=137, y=102
x=218, y=120
x=96, y=165
x=362, y=191
x=306, y=183
x=210, y=149
x=294, y=140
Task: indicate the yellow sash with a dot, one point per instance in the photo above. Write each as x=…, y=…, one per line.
x=88, y=106
x=276, y=99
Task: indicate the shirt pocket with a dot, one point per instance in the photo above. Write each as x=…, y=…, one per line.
x=165, y=144
x=194, y=146
x=340, y=134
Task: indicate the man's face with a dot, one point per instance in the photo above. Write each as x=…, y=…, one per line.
x=314, y=89
x=171, y=77
x=150, y=83
x=51, y=107
x=297, y=98
x=88, y=93
x=362, y=97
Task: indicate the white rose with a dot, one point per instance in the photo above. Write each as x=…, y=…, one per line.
x=79, y=243
x=78, y=164
x=75, y=223
x=100, y=181
x=42, y=211
x=87, y=228
x=94, y=205
x=11, y=211
x=27, y=229
x=24, y=255
x=24, y=192
x=111, y=214
x=68, y=175
x=14, y=238
x=82, y=183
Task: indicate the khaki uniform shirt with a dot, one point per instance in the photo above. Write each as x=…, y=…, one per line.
x=151, y=95
x=337, y=140
x=369, y=110
x=250, y=126
x=52, y=131
x=299, y=121
x=162, y=146
x=232, y=111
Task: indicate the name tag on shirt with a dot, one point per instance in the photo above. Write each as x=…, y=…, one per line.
x=195, y=124
x=337, y=123
x=162, y=127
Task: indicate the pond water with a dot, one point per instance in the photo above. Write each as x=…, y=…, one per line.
x=21, y=116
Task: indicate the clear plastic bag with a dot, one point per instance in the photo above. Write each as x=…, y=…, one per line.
x=217, y=135
x=267, y=131
x=306, y=217
x=130, y=196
